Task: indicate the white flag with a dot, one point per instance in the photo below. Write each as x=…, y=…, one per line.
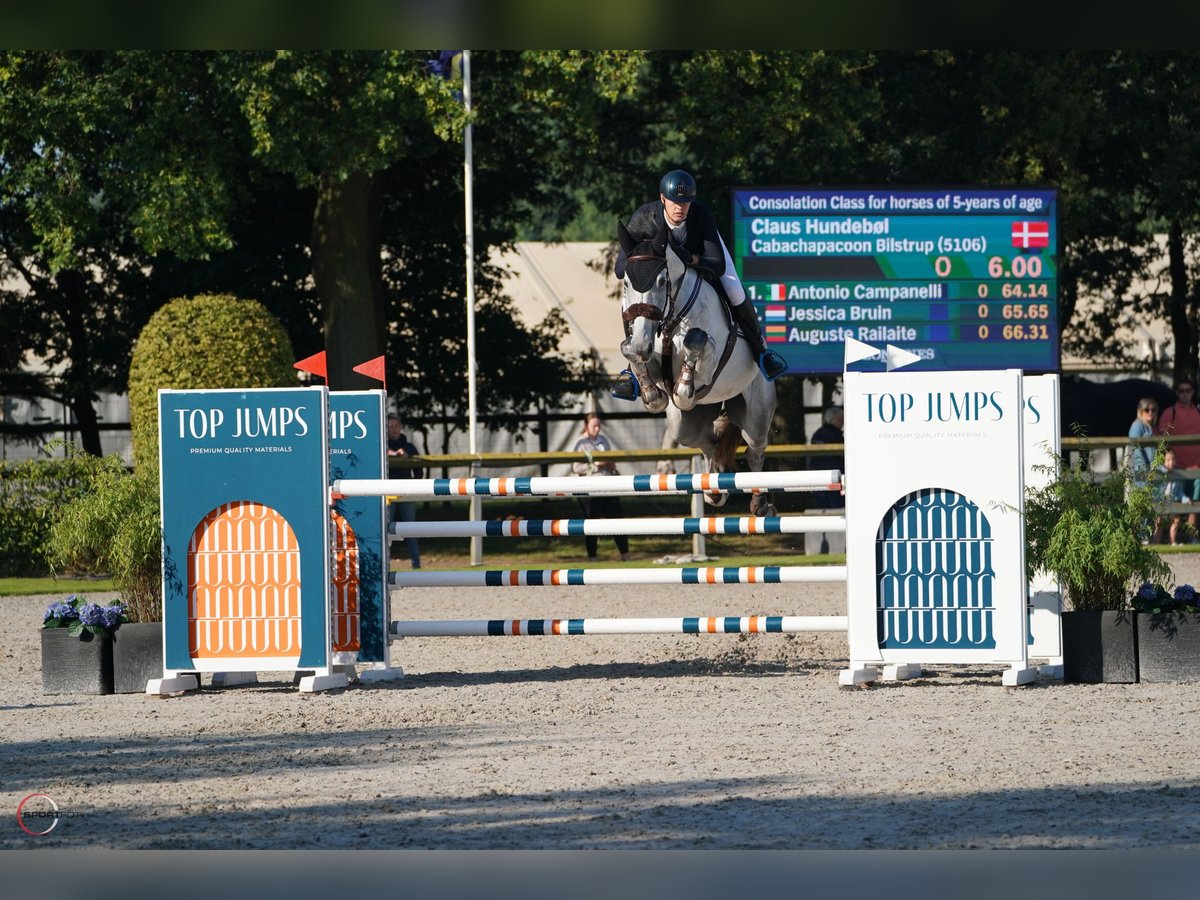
x=857, y=350
x=898, y=357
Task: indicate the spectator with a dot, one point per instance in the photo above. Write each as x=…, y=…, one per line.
x=598, y=506
x=830, y=432
x=1182, y=418
x=404, y=510
x=1172, y=493
x=1141, y=456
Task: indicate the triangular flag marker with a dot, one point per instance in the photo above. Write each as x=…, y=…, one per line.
x=857, y=350
x=373, y=368
x=898, y=357
x=314, y=364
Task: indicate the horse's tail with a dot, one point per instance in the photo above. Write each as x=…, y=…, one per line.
x=729, y=438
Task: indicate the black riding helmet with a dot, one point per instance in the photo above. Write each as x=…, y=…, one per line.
x=679, y=186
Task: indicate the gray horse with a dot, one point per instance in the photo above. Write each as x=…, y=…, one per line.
x=683, y=348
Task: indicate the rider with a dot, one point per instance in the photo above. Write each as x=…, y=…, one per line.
x=693, y=232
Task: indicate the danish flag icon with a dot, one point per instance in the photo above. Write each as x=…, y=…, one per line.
x=1031, y=234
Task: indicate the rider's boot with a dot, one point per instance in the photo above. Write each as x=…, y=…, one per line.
x=770, y=363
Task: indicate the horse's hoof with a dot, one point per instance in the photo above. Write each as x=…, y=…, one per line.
x=715, y=498
x=655, y=402
x=761, y=505
x=685, y=401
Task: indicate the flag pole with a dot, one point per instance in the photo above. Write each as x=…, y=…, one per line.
x=476, y=513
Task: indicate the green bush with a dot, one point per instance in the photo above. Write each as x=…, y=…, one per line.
x=112, y=528
x=204, y=342
x=30, y=493
x=1090, y=530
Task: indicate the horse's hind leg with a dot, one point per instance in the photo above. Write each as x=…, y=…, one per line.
x=754, y=411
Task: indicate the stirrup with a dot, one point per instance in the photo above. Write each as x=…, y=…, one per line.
x=771, y=364
x=625, y=388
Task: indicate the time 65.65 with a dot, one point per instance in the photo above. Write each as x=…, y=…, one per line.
x=1016, y=310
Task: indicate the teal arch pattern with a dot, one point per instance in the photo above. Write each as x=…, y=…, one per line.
x=933, y=574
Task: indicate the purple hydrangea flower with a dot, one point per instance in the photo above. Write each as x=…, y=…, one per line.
x=91, y=614
x=60, y=610
x=1147, y=591
x=112, y=615
x=1185, y=593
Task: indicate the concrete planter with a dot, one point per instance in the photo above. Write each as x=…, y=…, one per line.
x=1168, y=647
x=1100, y=646
x=137, y=656
x=76, y=665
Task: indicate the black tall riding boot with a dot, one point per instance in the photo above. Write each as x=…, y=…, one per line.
x=770, y=363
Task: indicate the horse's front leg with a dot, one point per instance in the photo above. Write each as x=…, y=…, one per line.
x=638, y=349
x=697, y=358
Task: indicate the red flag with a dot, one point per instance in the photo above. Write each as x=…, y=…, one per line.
x=372, y=368
x=314, y=364
x=1030, y=234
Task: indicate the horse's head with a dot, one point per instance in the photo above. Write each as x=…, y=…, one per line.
x=653, y=274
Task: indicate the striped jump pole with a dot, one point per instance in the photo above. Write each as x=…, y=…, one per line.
x=663, y=525
x=537, y=486
x=573, y=577
x=681, y=625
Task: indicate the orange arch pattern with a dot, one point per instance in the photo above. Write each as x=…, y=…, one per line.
x=345, y=576
x=243, y=570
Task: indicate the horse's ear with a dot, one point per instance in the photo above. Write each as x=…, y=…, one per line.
x=676, y=266
x=624, y=238
x=660, y=239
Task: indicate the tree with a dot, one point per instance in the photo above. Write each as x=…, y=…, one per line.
x=170, y=149
x=77, y=210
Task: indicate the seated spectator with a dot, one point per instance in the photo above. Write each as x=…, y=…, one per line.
x=1172, y=492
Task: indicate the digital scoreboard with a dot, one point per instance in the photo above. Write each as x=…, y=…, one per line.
x=965, y=278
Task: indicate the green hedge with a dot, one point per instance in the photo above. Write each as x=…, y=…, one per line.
x=205, y=342
x=31, y=493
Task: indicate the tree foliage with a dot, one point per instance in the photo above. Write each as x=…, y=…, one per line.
x=330, y=185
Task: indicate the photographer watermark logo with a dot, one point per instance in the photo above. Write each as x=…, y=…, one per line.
x=37, y=815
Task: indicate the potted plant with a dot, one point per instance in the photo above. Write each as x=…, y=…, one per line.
x=1168, y=633
x=1090, y=529
x=77, y=644
x=113, y=529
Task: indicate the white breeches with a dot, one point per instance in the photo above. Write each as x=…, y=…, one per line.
x=730, y=281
